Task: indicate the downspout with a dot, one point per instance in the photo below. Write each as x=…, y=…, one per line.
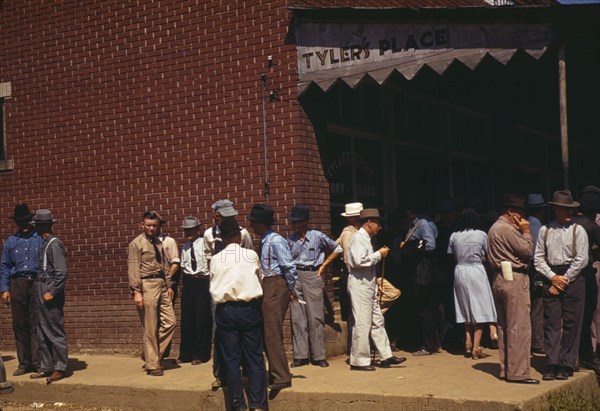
x=263, y=86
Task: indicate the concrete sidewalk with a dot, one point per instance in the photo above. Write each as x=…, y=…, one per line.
x=440, y=382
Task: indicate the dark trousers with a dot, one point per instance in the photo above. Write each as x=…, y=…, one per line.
x=536, y=292
x=563, y=316
x=428, y=302
x=276, y=299
x=586, y=351
x=175, y=280
x=218, y=372
x=240, y=330
x=51, y=334
x=24, y=322
x=196, y=320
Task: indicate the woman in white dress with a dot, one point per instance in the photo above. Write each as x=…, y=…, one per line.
x=472, y=292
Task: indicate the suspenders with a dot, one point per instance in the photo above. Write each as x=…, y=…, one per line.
x=269, y=256
x=574, y=246
x=45, y=263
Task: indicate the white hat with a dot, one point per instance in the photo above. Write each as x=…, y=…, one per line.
x=352, y=210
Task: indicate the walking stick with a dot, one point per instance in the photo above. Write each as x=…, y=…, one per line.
x=382, y=277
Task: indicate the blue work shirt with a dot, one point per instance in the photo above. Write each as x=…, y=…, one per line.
x=426, y=230
x=19, y=257
x=310, y=252
x=275, y=258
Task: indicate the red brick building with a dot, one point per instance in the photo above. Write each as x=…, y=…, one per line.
x=110, y=108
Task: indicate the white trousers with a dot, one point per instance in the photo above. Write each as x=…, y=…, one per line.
x=368, y=321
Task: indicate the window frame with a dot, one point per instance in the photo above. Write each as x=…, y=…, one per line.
x=5, y=93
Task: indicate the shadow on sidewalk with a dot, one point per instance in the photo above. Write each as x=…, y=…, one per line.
x=75, y=364
x=488, y=368
x=538, y=363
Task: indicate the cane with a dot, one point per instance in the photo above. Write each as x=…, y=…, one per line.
x=382, y=277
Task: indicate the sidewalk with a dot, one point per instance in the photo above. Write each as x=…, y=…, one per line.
x=440, y=382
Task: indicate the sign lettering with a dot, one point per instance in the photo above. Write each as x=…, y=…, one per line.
x=338, y=45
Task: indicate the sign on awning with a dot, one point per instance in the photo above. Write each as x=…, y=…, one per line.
x=331, y=51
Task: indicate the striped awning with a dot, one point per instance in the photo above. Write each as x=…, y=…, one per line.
x=331, y=52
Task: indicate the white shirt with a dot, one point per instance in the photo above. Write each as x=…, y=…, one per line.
x=344, y=240
x=186, y=258
x=556, y=248
x=170, y=248
x=361, y=258
x=209, y=241
x=235, y=275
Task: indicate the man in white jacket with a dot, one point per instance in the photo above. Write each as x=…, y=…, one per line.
x=362, y=287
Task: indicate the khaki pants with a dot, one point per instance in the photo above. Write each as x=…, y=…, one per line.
x=157, y=306
x=390, y=295
x=514, y=325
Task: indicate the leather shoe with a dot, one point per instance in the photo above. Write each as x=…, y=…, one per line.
x=538, y=351
x=593, y=365
x=155, y=373
x=19, y=371
x=525, y=381
x=299, y=362
x=56, y=376
x=550, y=374
x=280, y=386
x=562, y=373
x=362, y=368
x=393, y=360
x=196, y=362
x=423, y=352
x=42, y=374
x=321, y=363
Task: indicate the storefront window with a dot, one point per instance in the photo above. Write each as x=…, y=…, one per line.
x=353, y=168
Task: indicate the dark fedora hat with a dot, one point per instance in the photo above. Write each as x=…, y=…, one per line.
x=563, y=198
x=22, y=213
x=590, y=199
x=262, y=213
x=535, y=201
x=43, y=216
x=369, y=213
x=514, y=200
x=300, y=212
x=229, y=227
x=591, y=189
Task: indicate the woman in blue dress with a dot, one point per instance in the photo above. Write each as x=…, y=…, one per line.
x=473, y=298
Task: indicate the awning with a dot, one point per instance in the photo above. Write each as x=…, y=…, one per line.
x=331, y=51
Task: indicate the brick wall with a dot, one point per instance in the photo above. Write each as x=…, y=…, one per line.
x=120, y=107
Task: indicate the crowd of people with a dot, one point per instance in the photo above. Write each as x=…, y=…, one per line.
x=527, y=277
x=527, y=283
